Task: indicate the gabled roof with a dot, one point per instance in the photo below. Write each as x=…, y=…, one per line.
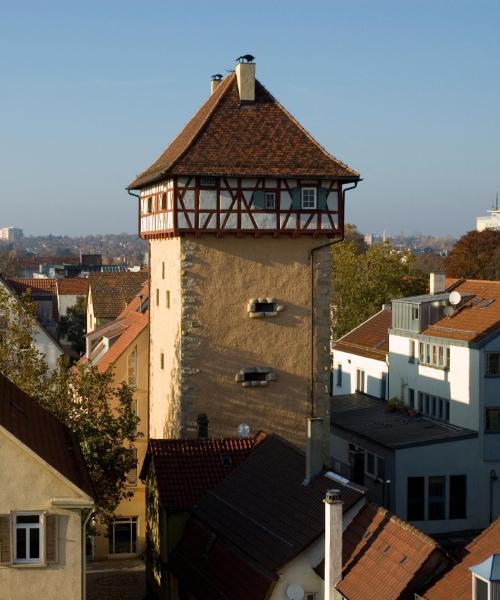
x=186, y=470
x=384, y=557
x=457, y=583
x=476, y=318
x=43, y=433
x=111, y=292
x=370, y=339
x=37, y=286
x=261, y=139
x=72, y=286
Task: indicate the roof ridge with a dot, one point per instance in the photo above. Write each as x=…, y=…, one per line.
x=364, y=323
x=405, y=525
x=309, y=136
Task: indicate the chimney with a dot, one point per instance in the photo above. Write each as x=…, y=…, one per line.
x=215, y=82
x=245, y=74
x=436, y=283
x=333, y=542
x=202, y=426
x=314, y=449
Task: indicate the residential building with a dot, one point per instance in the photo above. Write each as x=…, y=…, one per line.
x=109, y=294
x=444, y=366
x=492, y=221
x=69, y=290
x=238, y=211
x=45, y=501
x=477, y=575
x=258, y=531
x=43, y=339
x=11, y=234
x=123, y=347
x=361, y=358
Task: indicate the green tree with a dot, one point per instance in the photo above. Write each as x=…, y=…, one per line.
x=362, y=283
x=100, y=414
x=475, y=256
x=73, y=325
x=351, y=234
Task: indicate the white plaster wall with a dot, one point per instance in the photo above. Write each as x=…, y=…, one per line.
x=65, y=301
x=350, y=363
x=47, y=346
x=459, y=384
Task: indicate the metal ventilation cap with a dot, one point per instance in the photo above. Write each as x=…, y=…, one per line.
x=243, y=430
x=333, y=497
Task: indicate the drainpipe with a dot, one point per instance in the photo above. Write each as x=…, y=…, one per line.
x=138, y=196
x=311, y=257
x=84, y=552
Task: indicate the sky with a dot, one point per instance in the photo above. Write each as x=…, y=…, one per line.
x=406, y=92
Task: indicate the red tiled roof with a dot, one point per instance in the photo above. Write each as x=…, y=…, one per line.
x=111, y=292
x=370, y=339
x=261, y=139
x=457, y=583
x=476, y=318
x=37, y=286
x=43, y=433
x=386, y=558
x=215, y=570
x=186, y=470
x=73, y=286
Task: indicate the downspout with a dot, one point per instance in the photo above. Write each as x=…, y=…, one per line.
x=138, y=196
x=311, y=257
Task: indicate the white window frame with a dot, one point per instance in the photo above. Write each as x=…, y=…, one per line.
x=488, y=583
x=122, y=520
x=28, y=526
x=309, y=204
x=486, y=364
x=270, y=200
x=360, y=378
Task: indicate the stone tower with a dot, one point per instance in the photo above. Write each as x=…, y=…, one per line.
x=236, y=211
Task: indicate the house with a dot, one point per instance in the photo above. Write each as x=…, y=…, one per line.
x=123, y=347
x=477, y=575
x=45, y=502
x=109, y=294
x=378, y=557
x=443, y=366
x=177, y=474
x=260, y=530
x=69, y=290
x=361, y=357
x=239, y=212
x=46, y=310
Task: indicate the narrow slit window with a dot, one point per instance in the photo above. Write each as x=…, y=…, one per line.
x=270, y=200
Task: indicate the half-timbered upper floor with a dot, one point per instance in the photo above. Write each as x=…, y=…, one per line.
x=259, y=205
x=243, y=164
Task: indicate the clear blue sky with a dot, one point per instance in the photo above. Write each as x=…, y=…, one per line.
x=406, y=92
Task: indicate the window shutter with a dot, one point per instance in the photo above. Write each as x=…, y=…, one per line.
x=51, y=538
x=5, y=540
x=259, y=200
x=322, y=196
x=296, y=198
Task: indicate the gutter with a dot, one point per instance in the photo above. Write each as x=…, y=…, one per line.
x=311, y=258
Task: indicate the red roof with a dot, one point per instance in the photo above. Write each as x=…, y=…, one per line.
x=261, y=139
x=37, y=286
x=386, y=558
x=43, y=433
x=477, y=316
x=457, y=583
x=73, y=286
x=370, y=339
x=186, y=470
x=111, y=292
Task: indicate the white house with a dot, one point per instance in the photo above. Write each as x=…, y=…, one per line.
x=444, y=366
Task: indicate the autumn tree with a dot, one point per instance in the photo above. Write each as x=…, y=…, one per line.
x=476, y=255
x=362, y=283
x=85, y=400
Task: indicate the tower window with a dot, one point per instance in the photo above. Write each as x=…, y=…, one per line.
x=164, y=201
x=264, y=307
x=167, y=298
x=208, y=182
x=162, y=360
x=270, y=200
x=163, y=270
x=309, y=198
x=255, y=376
x=149, y=205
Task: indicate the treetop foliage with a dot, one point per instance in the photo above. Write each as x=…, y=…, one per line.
x=476, y=255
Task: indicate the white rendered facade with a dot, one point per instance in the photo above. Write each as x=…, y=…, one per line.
x=354, y=372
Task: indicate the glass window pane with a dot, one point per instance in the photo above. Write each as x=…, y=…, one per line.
x=380, y=467
x=370, y=463
x=21, y=543
x=34, y=542
x=28, y=519
x=481, y=589
x=436, y=498
x=493, y=419
x=122, y=538
x=416, y=499
x=458, y=497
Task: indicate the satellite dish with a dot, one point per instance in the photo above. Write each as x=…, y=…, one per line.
x=243, y=430
x=294, y=592
x=449, y=311
x=455, y=298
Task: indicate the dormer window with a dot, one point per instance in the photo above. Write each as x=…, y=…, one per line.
x=309, y=198
x=486, y=579
x=480, y=589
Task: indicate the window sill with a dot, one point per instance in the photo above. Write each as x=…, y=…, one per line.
x=40, y=565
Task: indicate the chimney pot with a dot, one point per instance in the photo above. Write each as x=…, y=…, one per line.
x=333, y=496
x=436, y=283
x=215, y=82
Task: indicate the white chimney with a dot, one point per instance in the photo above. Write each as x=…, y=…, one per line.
x=245, y=74
x=436, y=283
x=333, y=542
x=215, y=82
x=314, y=449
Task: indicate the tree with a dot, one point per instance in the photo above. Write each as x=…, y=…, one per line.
x=475, y=256
x=362, y=283
x=351, y=234
x=85, y=400
x=73, y=325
